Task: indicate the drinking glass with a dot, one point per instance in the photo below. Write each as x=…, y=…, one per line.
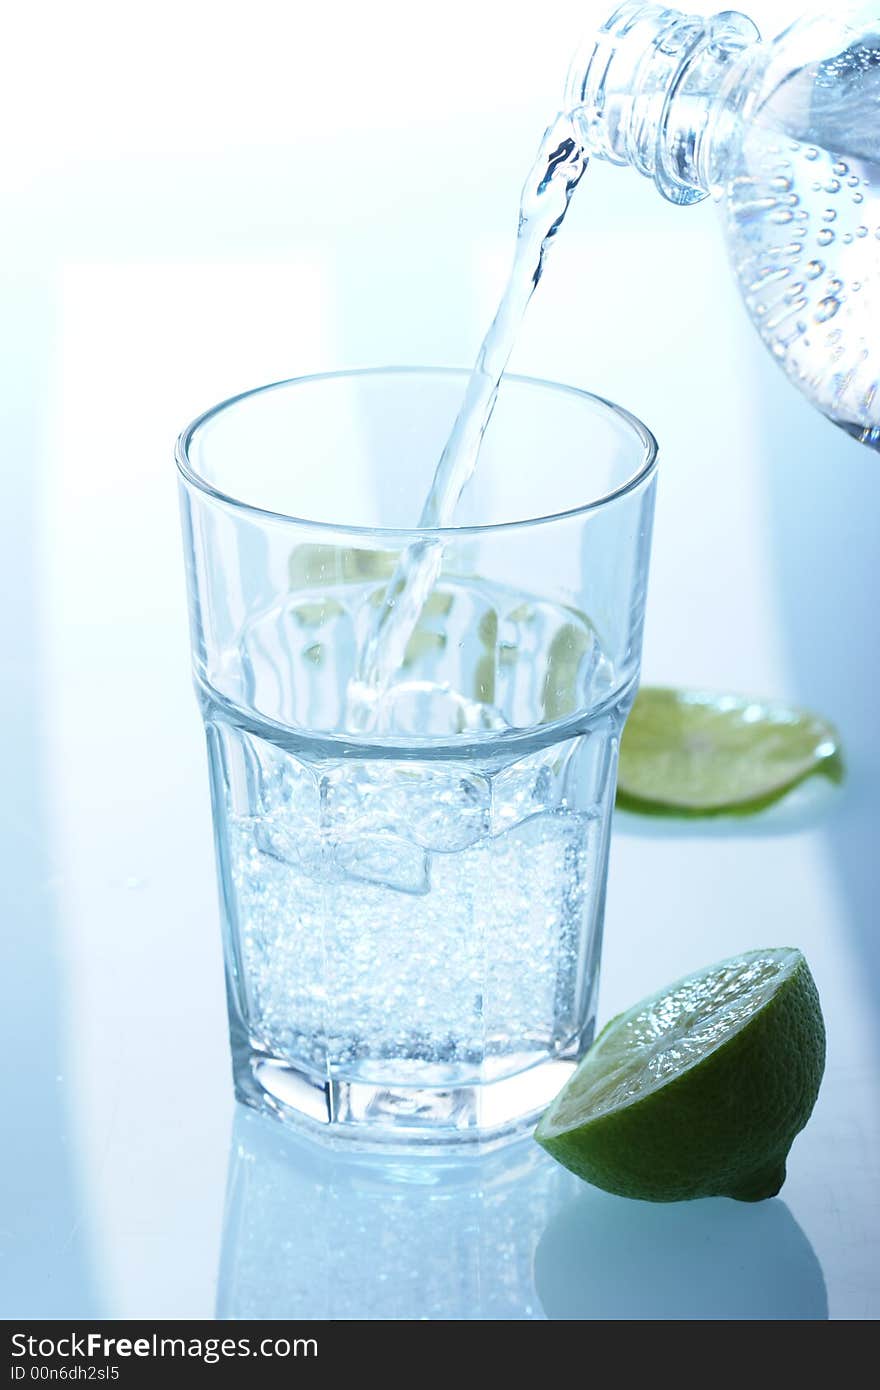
x=412, y=909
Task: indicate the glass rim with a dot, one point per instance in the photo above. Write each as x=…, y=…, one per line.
x=643, y=472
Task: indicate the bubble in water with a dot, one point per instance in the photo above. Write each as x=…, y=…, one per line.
x=811, y=153
x=813, y=269
x=826, y=236
x=816, y=186
x=794, y=292
x=826, y=308
x=781, y=184
x=847, y=238
x=856, y=286
x=781, y=215
x=832, y=186
x=861, y=231
x=852, y=181
x=840, y=168
x=834, y=285
x=858, y=197
x=829, y=215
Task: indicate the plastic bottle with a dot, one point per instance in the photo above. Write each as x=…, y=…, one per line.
x=785, y=135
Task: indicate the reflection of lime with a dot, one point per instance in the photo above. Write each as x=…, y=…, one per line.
x=692, y=753
x=601, y=1258
x=559, y=692
x=699, y=1090
x=313, y=565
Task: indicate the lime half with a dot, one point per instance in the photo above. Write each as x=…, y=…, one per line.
x=699, y=1090
x=689, y=752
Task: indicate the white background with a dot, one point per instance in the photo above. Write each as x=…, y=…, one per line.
x=198, y=198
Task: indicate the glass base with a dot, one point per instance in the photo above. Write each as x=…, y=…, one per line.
x=355, y=1113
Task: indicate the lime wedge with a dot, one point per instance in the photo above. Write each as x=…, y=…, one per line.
x=699, y=1090
x=689, y=752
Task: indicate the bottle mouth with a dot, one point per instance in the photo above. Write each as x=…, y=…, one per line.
x=643, y=88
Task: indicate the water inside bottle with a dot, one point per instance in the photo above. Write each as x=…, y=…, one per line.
x=802, y=219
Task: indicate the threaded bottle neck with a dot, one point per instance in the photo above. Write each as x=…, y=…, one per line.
x=648, y=88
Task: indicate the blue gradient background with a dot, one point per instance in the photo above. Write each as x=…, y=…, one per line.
x=219, y=199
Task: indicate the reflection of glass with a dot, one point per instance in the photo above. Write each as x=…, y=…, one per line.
x=413, y=914
x=604, y=1257
x=312, y=1232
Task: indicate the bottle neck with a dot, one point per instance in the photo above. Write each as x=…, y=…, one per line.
x=651, y=87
